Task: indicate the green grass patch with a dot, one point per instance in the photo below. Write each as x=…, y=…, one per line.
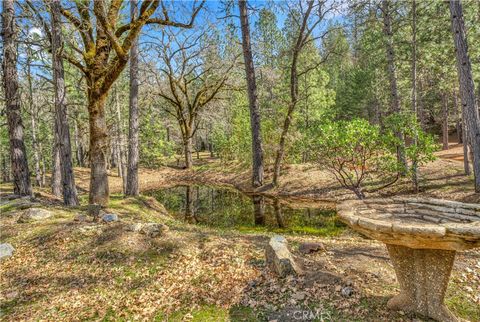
x=461, y=305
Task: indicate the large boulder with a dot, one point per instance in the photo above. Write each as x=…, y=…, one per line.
x=6, y=250
x=34, y=214
x=279, y=259
x=151, y=229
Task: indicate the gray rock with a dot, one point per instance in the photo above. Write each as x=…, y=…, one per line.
x=80, y=218
x=322, y=278
x=34, y=214
x=279, y=258
x=307, y=248
x=347, y=291
x=6, y=250
x=134, y=227
x=151, y=229
x=110, y=217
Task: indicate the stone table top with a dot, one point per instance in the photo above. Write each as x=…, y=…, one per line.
x=422, y=223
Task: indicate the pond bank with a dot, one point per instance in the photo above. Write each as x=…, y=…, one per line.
x=442, y=178
x=228, y=208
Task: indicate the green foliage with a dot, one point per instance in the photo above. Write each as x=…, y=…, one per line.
x=421, y=145
x=356, y=153
x=154, y=147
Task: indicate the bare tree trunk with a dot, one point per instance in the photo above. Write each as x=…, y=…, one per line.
x=56, y=183
x=132, y=169
x=64, y=147
x=420, y=110
x=35, y=146
x=33, y=117
x=44, y=168
x=458, y=119
x=187, y=146
x=18, y=154
x=463, y=133
x=414, y=88
x=78, y=144
x=120, y=143
x=5, y=169
x=392, y=73
x=466, y=165
x=445, y=122
x=257, y=152
x=467, y=87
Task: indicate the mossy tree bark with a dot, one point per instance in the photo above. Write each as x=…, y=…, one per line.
x=104, y=54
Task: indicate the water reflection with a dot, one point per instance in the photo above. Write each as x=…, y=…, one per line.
x=227, y=208
x=259, y=209
x=277, y=210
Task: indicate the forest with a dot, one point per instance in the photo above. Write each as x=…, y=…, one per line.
x=240, y=160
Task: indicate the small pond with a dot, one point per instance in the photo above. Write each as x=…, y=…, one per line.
x=226, y=208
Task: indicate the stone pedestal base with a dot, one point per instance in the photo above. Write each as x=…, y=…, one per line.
x=423, y=276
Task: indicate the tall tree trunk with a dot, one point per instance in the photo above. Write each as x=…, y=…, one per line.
x=44, y=168
x=466, y=165
x=56, y=180
x=257, y=152
x=18, y=154
x=33, y=118
x=392, y=74
x=414, y=88
x=99, y=191
x=462, y=133
x=467, y=87
x=64, y=146
x=420, y=110
x=445, y=122
x=458, y=119
x=5, y=169
x=120, y=143
x=132, y=169
x=78, y=144
x=300, y=42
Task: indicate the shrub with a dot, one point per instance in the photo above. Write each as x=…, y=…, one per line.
x=356, y=153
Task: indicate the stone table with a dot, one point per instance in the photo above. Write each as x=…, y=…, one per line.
x=422, y=236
